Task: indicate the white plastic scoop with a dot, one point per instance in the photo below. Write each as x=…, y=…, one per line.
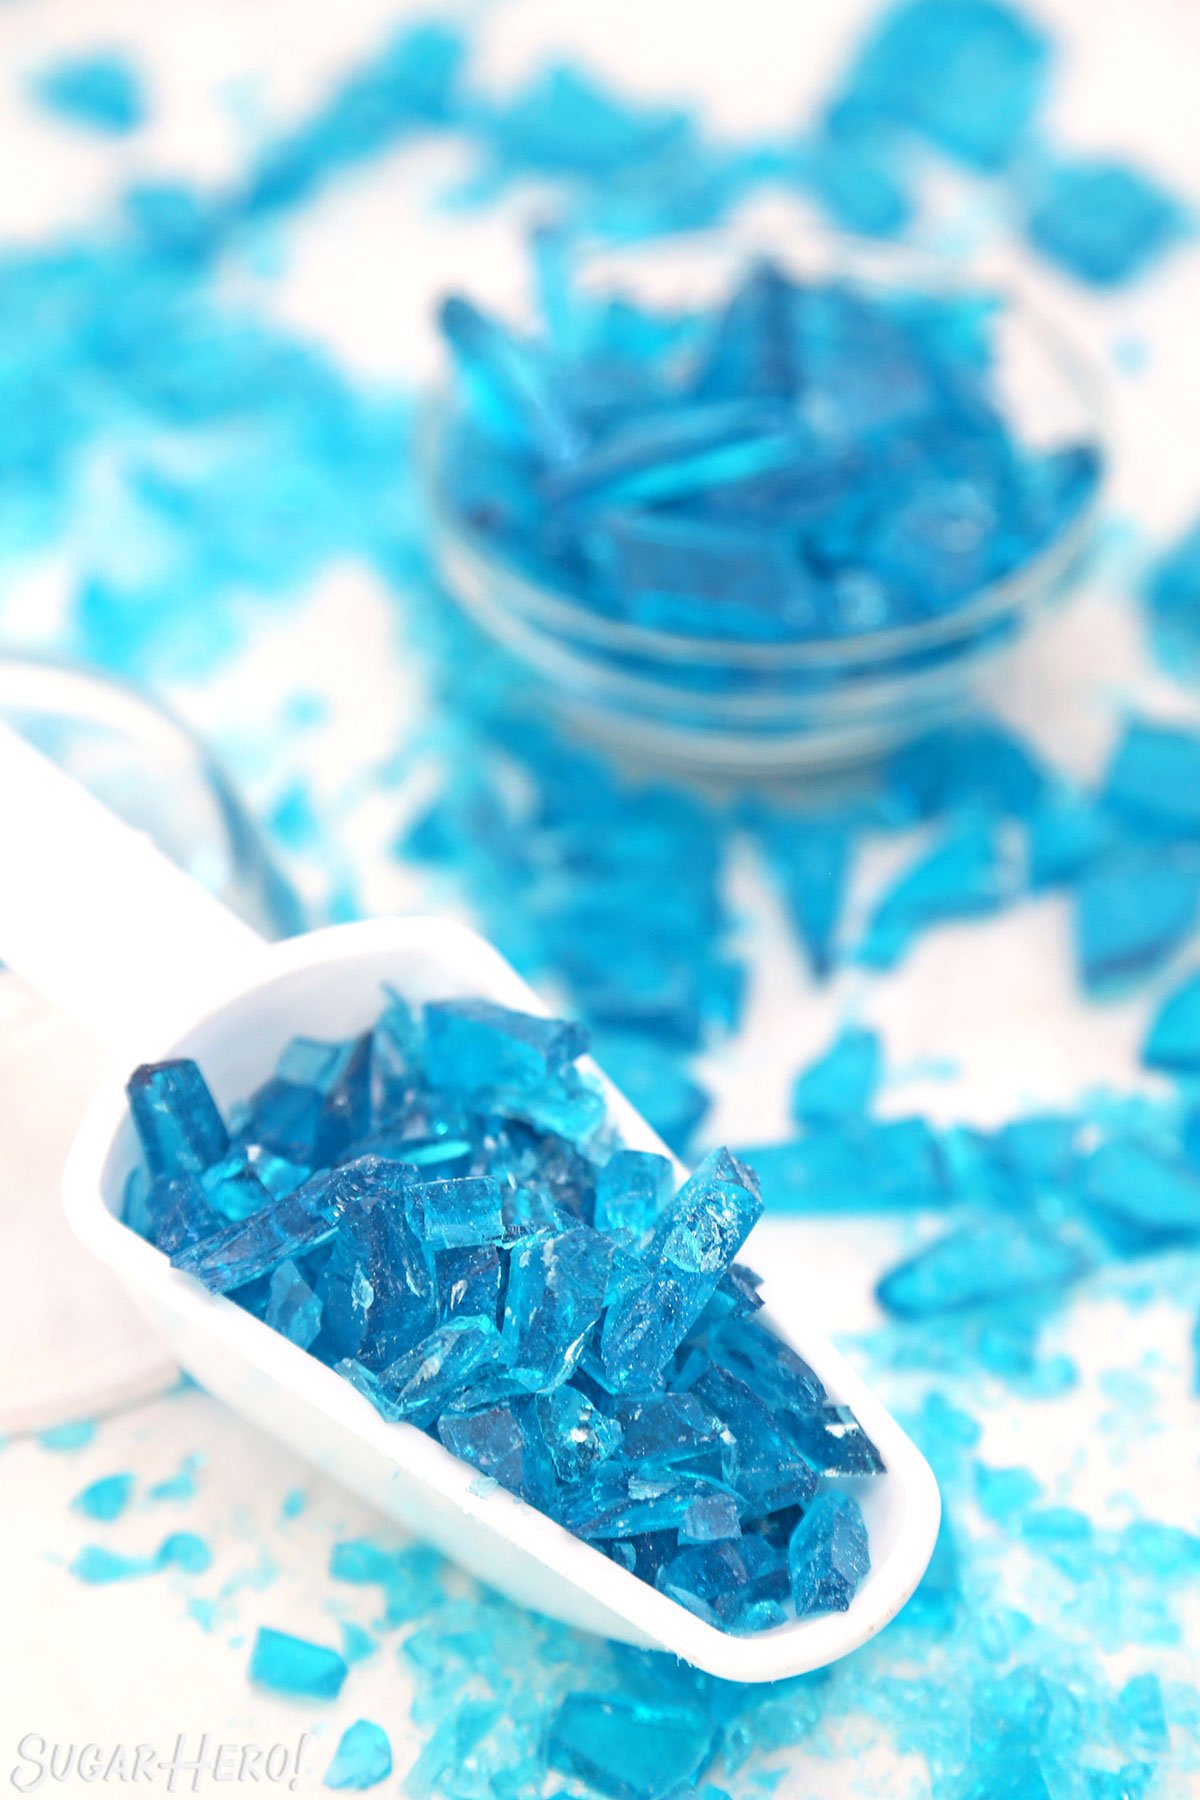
x=110, y=931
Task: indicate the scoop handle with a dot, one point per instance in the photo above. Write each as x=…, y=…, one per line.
x=99, y=921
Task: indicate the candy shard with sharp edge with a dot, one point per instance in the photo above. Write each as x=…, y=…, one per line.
x=693, y=1244
x=178, y=1125
x=1173, y=1042
x=827, y=1555
x=844, y=1081
x=1102, y=221
x=292, y=1665
x=628, y=1748
x=976, y=1265
x=362, y=1759
x=528, y=1293
x=1132, y=912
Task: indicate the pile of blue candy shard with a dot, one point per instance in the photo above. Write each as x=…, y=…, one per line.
x=808, y=460
x=438, y=1209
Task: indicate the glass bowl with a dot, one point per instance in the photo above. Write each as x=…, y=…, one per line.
x=729, y=705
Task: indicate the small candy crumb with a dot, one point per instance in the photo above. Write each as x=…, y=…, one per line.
x=105, y=1499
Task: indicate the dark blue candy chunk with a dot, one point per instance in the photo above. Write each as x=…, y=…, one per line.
x=286, y=1120
x=178, y=1125
x=693, y=1244
x=669, y=1429
x=179, y=1214
x=631, y=1190
x=556, y=1290
x=577, y=1434
x=968, y=75
x=617, y=1502
x=976, y=1265
x=632, y=1749
x=828, y=1555
x=762, y=1463
x=1102, y=221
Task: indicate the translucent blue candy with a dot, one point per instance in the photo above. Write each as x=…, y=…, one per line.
x=1173, y=598
x=512, y=393
x=811, y=859
x=962, y=877
x=301, y=1221
x=976, y=1265
x=362, y=1759
x=631, y=1190
x=104, y=93
x=741, y=480
x=577, y=1434
x=178, y=1125
x=534, y=1298
x=1153, y=781
x=693, y=1244
x=628, y=1748
x=105, y=1499
x=1149, y=1196
x=841, y=1083
x=862, y=1166
x=1132, y=912
x=292, y=1308
x=1173, y=1042
x=292, y=1665
x=967, y=75
x=828, y=1555
x=1102, y=221
x=556, y=1292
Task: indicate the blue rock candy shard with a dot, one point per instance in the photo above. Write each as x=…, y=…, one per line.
x=102, y=92
x=292, y=1665
x=233, y=1187
x=376, y=1289
x=1153, y=781
x=1132, y=912
x=976, y=1265
x=556, y=1291
x=762, y=1464
x=578, y=1436
x=631, y=1189
x=292, y=1307
x=828, y=1555
x=693, y=1244
x=105, y=1499
x=811, y=859
x=422, y=1382
x=752, y=350
x=468, y=1281
x=1173, y=598
x=709, y=1519
x=299, y=1222
x=178, y=1125
x=1173, y=1042
x=1149, y=1196
x=1102, y=221
x=668, y=1429
x=495, y=1441
x=512, y=386
x=772, y=1369
x=618, y=1502
x=704, y=580
x=631, y=1749
x=844, y=1081
x=362, y=1759
x=967, y=75
x=452, y=1215
x=666, y=456
x=178, y=1213
x=833, y=1441
x=962, y=877
x=285, y=1120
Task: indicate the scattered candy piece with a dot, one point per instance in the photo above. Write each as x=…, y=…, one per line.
x=827, y=1555
x=292, y=1665
x=362, y=1759
x=1102, y=221
x=102, y=92
x=105, y=1499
